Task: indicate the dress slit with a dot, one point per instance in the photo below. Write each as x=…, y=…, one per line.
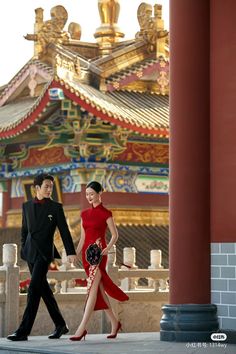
x=100, y=303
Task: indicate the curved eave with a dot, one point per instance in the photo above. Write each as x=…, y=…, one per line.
x=104, y=115
x=28, y=120
x=40, y=105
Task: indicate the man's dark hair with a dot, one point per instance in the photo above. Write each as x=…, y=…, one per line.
x=96, y=186
x=38, y=181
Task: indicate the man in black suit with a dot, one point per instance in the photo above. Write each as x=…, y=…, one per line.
x=40, y=218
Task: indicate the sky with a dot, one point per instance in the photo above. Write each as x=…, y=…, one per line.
x=17, y=19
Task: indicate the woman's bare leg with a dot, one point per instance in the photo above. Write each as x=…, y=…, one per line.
x=109, y=312
x=89, y=304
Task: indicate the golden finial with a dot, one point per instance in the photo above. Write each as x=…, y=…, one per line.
x=108, y=33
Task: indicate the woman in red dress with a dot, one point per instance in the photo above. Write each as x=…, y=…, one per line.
x=94, y=222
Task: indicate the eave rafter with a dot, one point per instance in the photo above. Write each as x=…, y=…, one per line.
x=88, y=103
x=26, y=122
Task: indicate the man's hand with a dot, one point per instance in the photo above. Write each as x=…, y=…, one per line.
x=71, y=258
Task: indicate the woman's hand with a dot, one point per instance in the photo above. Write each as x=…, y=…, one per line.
x=78, y=255
x=105, y=251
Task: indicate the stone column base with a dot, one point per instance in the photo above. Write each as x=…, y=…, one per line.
x=188, y=323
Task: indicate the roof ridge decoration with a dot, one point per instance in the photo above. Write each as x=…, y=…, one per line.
x=152, y=37
x=152, y=28
x=68, y=52
x=29, y=70
x=51, y=31
x=136, y=71
x=69, y=66
x=119, y=59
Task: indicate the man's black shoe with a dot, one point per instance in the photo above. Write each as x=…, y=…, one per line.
x=17, y=337
x=59, y=331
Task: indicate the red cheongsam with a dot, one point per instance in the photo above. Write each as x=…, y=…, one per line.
x=94, y=221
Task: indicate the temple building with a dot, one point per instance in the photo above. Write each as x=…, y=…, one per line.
x=82, y=111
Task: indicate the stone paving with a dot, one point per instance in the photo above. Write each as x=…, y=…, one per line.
x=125, y=343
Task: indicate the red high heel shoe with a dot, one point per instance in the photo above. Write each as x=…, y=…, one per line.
x=78, y=338
x=111, y=336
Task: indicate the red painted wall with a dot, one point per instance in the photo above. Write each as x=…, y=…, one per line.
x=223, y=121
x=135, y=200
x=16, y=203
x=109, y=199
x=119, y=200
x=70, y=198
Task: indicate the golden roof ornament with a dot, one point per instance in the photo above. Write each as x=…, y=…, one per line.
x=108, y=33
x=51, y=31
x=75, y=30
x=152, y=28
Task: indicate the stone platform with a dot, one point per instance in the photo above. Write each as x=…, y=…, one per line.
x=125, y=343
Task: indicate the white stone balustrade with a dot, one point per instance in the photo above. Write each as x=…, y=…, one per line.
x=129, y=262
x=71, y=300
x=112, y=257
x=66, y=265
x=155, y=260
x=10, y=315
x=9, y=255
x=2, y=299
x=129, y=257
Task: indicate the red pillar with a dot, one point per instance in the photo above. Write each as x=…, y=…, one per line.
x=189, y=152
x=189, y=315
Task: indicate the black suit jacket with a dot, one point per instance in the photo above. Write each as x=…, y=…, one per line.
x=37, y=234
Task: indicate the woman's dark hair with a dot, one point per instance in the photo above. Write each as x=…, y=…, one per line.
x=38, y=181
x=96, y=186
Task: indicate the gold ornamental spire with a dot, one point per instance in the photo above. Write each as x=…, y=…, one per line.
x=108, y=33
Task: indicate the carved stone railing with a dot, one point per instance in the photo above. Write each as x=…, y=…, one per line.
x=158, y=275
x=9, y=289
x=66, y=289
